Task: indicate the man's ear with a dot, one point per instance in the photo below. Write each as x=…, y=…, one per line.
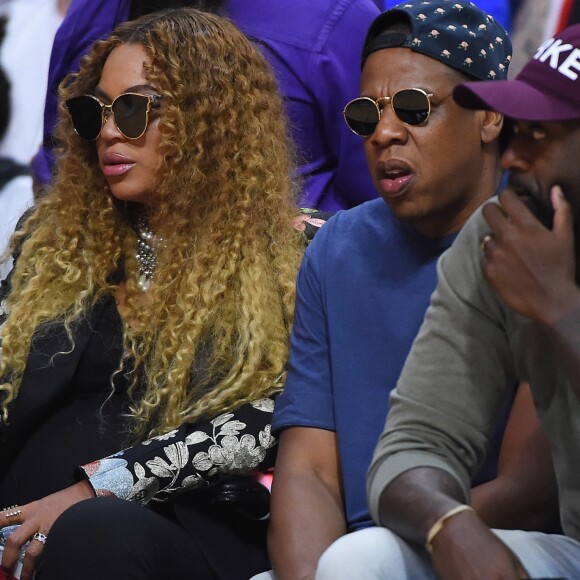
x=492, y=123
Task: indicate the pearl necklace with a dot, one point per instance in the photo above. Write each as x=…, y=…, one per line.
x=145, y=254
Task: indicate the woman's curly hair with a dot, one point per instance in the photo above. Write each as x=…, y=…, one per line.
x=213, y=330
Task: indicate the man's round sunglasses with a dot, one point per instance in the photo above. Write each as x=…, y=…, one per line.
x=131, y=113
x=412, y=106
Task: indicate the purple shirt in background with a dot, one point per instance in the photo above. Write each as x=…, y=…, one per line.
x=314, y=47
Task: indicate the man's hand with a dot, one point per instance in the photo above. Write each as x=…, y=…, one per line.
x=38, y=516
x=465, y=549
x=530, y=267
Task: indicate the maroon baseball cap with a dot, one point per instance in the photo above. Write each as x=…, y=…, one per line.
x=547, y=88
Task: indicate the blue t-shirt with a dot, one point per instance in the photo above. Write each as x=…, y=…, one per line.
x=362, y=293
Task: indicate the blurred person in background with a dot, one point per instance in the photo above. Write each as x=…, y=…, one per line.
x=25, y=57
x=15, y=182
x=535, y=21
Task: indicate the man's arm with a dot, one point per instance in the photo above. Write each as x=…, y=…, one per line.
x=307, y=501
x=524, y=495
x=465, y=548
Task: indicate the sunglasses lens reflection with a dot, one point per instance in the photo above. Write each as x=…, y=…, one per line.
x=86, y=116
x=362, y=116
x=411, y=106
x=131, y=114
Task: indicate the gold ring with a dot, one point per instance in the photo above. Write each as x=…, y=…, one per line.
x=40, y=537
x=14, y=517
x=484, y=242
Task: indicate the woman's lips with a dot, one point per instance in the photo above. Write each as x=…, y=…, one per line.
x=114, y=164
x=117, y=169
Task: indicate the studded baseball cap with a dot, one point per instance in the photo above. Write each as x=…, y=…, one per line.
x=546, y=89
x=458, y=34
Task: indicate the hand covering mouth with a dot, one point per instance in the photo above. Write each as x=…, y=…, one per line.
x=530, y=194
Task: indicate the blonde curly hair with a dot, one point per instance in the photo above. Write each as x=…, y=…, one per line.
x=212, y=332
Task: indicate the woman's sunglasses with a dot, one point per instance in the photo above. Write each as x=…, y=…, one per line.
x=131, y=114
x=412, y=106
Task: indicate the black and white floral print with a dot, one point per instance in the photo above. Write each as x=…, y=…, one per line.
x=191, y=456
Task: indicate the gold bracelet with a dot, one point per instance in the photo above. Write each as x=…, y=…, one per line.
x=438, y=525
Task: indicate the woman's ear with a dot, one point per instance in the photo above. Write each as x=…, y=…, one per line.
x=492, y=123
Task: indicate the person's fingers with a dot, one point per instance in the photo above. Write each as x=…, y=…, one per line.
x=496, y=218
x=9, y=517
x=515, y=209
x=563, y=219
x=32, y=554
x=14, y=544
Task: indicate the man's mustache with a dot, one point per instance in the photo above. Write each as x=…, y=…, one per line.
x=522, y=186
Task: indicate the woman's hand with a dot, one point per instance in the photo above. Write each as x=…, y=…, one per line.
x=38, y=516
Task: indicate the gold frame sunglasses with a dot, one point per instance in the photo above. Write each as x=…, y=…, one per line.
x=130, y=112
x=411, y=106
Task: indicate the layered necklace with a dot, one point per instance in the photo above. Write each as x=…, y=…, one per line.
x=146, y=255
